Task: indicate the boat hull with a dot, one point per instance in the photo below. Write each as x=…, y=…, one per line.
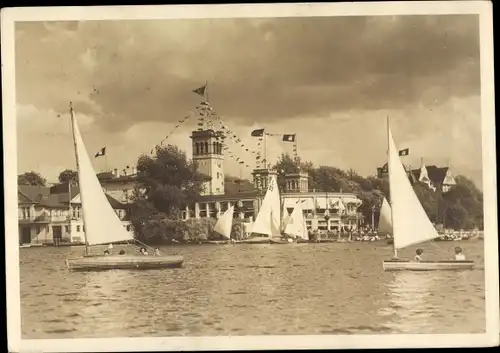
x=405, y=265
x=123, y=262
x=254, y=241
x=278, y=241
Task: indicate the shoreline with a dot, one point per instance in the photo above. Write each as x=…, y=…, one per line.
x=245, y=242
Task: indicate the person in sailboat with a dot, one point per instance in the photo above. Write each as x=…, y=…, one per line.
x=144, y=251
x=459, y=256
x=418, y=256
x=157, y=252
x=106, y=252
x=122, y=252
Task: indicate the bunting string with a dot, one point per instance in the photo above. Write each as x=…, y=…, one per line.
x=207, y=117
x=157, y=146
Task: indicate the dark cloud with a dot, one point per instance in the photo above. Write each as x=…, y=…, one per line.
x=260, y=69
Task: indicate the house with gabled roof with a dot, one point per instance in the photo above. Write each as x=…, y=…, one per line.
x=51, y=215
x=436, y=178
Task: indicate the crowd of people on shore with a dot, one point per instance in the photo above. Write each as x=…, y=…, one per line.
x=365, y=234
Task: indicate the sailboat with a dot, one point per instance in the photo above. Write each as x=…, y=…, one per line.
x=101, y=224
x=224, y=226
x=384, y=220
x=410, y=223
x=268, y=221
x=296, y=224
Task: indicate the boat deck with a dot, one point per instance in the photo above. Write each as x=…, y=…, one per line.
x=130, y=262
x=402, y=264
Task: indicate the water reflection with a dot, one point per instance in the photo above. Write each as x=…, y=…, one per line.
x=248, y=290
x=409, y=299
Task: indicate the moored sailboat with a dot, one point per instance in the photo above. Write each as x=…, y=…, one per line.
x=268, y=221
x=101, y=224
x=296, y=224
x=410, y=223
x=224, y=226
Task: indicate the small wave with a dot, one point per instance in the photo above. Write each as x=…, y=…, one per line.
x=238, y=293
x=381, y=328
x=334, y=331
x=62, y=330
x=53, y=321
x=261, y=266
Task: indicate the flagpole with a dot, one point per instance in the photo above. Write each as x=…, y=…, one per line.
x=72, y=116
x=206, y=90
x=395, y=251
x=265, y=150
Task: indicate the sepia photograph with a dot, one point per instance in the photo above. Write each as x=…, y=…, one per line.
x=270, y=176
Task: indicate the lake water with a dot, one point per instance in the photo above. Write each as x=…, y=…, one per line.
x=253, y=289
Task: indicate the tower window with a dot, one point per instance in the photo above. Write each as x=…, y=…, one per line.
x=206, y=147
x=201, y=148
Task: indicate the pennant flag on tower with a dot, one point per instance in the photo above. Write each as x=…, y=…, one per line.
x=201, y=90
x=289, y=138
x=257, y=133
x=404, y=152
x=101, y=153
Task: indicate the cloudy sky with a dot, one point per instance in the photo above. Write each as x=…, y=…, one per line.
x=333, y=81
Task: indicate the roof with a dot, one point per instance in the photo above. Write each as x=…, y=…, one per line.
x=436, y=174
x=33, y=192
x=56, y=196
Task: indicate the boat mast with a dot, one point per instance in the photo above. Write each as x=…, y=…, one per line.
x=78, y=168
x=395, y=251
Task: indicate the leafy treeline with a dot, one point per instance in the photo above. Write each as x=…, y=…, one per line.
x=168, y=181
x=459, y=208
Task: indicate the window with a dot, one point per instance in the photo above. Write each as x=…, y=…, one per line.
x=67, y=229
x=83, y=228
x=128, y=227
x=77, y=228
x=218, y=175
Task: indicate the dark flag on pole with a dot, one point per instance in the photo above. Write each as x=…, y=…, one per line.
x=201, y=90
x=289, y=138
x=404, y=152
x=101, y=153
x=257, y=133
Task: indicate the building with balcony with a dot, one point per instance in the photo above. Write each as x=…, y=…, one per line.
x=47, y=215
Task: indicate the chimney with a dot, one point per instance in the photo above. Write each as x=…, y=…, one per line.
x=117, y=171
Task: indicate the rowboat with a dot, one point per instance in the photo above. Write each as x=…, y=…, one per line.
x=409, y=221
x=101, y=223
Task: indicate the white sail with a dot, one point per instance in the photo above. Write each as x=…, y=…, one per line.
x=225, y=223
x=385, y=222
x=268, y=219
x=409, y=221
x=296, y=224
x=102, y=225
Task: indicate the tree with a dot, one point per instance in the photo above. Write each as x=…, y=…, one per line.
x=31, y=178
x=288, y=165
x=67, y=176
x=166, y=183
